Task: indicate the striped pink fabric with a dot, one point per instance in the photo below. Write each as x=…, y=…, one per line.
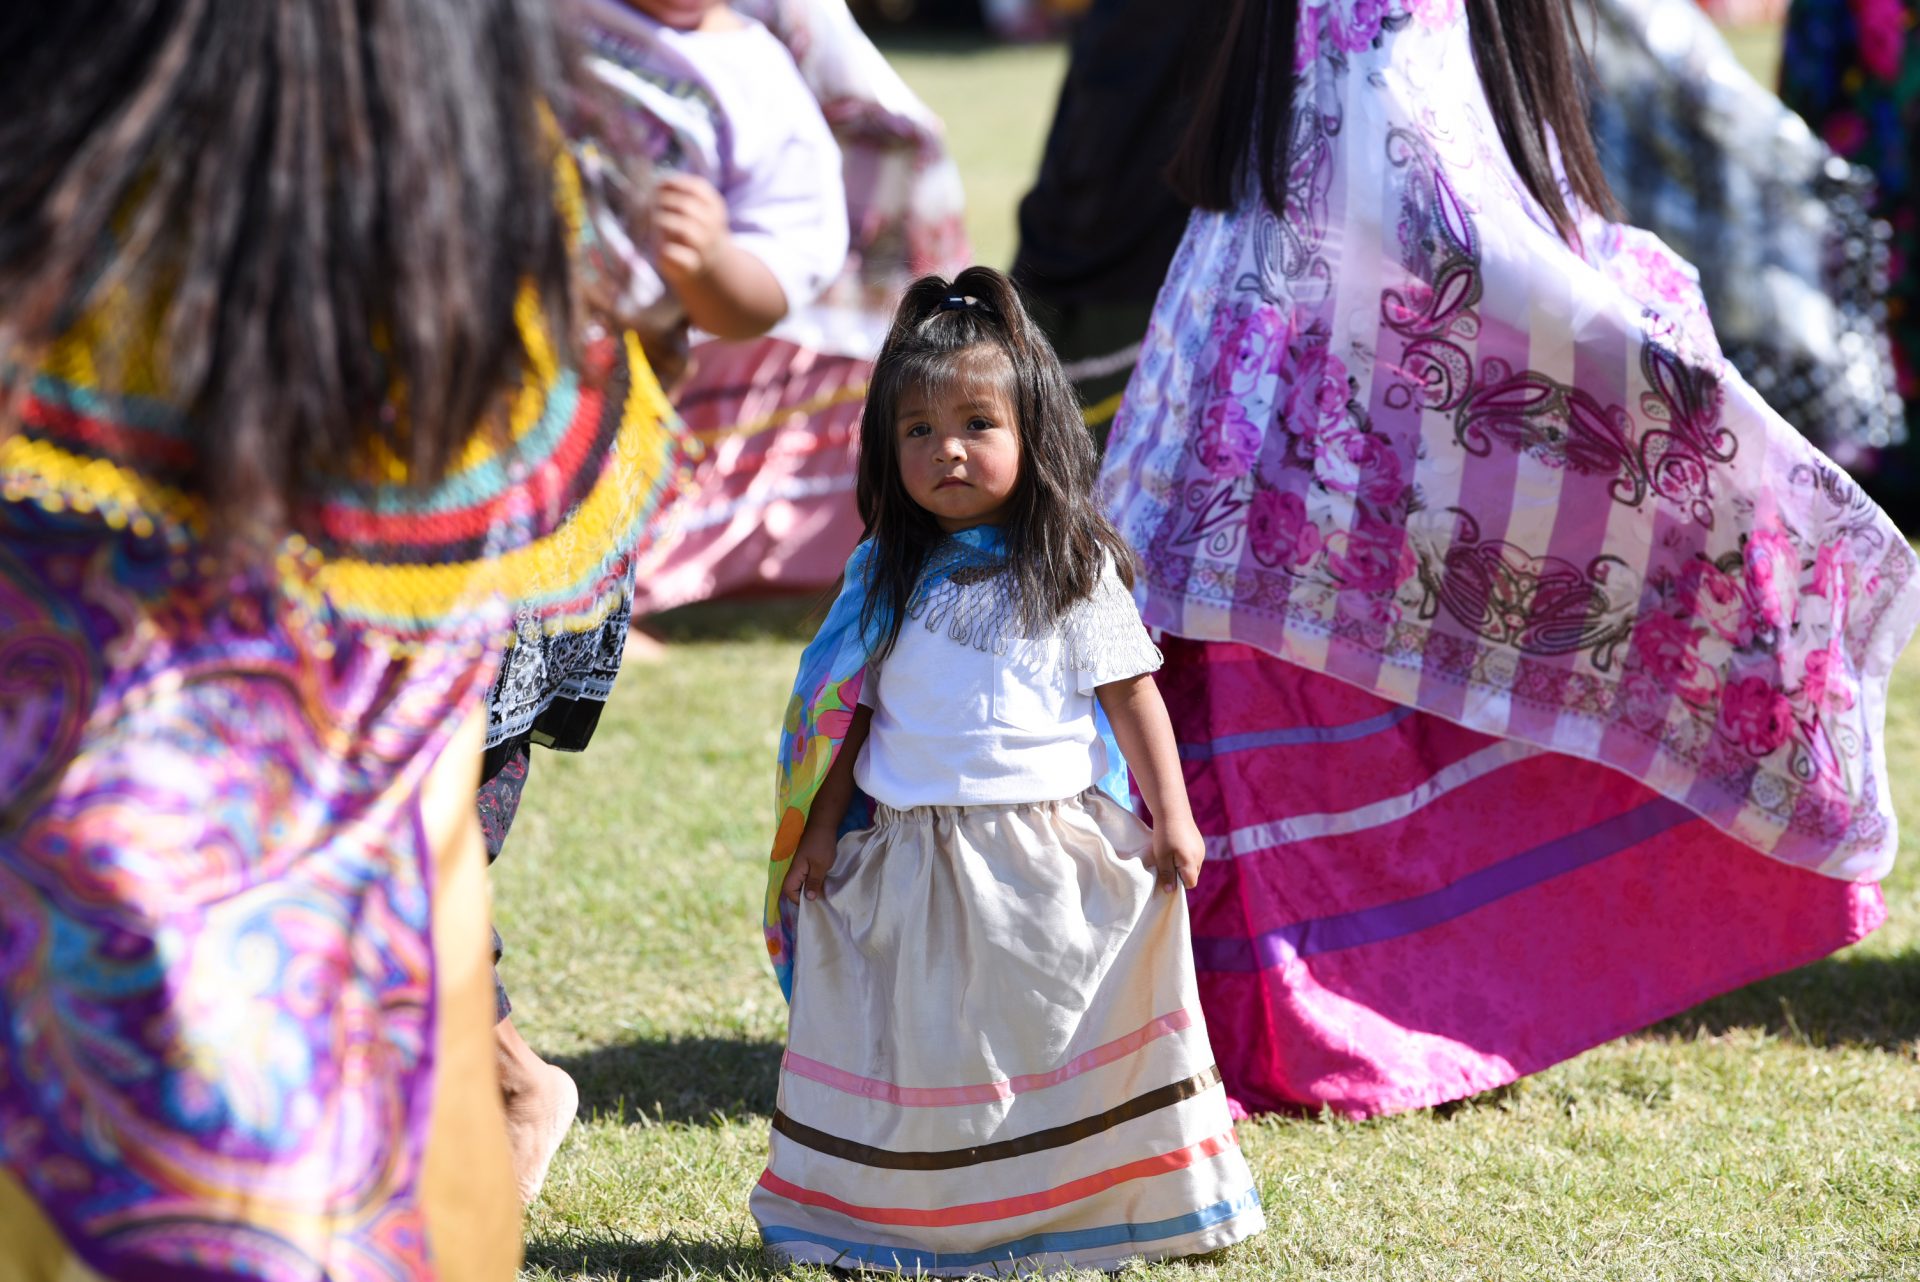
x=1420, y=952
x=985, y=1092
x=1008, y=1207
x=1406, y=434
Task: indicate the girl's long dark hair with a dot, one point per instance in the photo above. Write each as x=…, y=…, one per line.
x=1057, y=538
x=1530, y=65
x=330, y=205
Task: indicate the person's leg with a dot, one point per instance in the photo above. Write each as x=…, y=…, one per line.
x=540, y=1099
x=466, y=1176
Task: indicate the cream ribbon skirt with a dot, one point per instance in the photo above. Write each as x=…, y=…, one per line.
x=996, y=1061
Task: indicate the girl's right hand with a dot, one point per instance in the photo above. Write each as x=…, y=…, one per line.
x=689, y=226
x=811, y=864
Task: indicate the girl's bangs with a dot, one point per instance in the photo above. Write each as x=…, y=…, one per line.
x=978, y=367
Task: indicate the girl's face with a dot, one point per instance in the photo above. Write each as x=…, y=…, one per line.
x=959, y=447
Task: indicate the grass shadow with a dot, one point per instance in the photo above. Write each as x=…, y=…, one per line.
x=952, y=40
x=1870, y=1001
x=607, y=1255
x=690, y=1079
x=785, y=618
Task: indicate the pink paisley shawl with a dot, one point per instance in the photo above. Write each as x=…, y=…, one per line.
x=1405, y=435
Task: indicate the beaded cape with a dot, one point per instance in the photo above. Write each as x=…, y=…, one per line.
x=216, y=971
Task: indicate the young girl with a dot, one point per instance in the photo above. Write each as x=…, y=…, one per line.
x=1529, y=672
x=995, y=1058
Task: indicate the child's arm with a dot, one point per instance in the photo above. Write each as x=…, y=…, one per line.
x=1139, y=721
x=726, y=290
x=821, y=835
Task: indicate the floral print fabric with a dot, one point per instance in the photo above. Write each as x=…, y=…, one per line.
x=1406, y=435
x=216, y=980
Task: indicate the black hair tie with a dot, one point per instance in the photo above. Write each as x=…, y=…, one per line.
x=956, y=303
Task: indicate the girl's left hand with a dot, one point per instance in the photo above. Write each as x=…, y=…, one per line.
x=1178, y=850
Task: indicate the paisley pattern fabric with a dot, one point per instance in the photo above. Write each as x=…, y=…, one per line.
x=826, y=691
x=215, y=971
x=217, y=989
x=1406, y=436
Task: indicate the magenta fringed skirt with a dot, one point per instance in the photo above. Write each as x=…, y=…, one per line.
x=1397, y=911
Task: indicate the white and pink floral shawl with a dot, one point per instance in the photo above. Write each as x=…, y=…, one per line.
x=1405, y=435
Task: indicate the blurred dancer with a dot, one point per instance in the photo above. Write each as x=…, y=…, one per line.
x=778, y=413
x=1852, y=68
x=1101, y=222
x=1792, y=262
x=298, y=406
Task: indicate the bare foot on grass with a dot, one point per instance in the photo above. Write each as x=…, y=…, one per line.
x=644, y=645
x=540, y=1101
x=537, y=1122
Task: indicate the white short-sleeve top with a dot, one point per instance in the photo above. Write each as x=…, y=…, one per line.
x=740, y=116
x=959, y=724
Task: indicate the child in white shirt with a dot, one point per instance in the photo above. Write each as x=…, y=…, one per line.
x=749, y=216
x=995, y=1058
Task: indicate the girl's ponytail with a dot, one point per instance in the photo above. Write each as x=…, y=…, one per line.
x=992, y=299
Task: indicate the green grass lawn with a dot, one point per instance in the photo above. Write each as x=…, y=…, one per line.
x=1773, y=1133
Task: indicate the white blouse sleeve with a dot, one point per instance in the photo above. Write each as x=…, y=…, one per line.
x=789, y=208
x=1105, y=639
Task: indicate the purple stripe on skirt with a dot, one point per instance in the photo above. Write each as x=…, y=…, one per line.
x=1421, y=912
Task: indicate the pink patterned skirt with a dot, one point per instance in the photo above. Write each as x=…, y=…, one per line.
x=1397, y=911
x=771, y=507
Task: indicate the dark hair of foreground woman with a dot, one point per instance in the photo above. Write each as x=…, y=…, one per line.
x=332, y=198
